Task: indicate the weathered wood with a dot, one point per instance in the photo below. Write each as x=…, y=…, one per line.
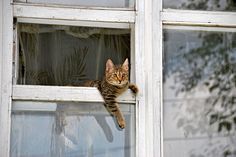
x=156, y=85
x=140, y=79
x=148, y=56
x=64, y=93
x=59, y=13
x=200, y=28
x=6, y=75
x=1, y=38
x=75, y=23
x=206, y=18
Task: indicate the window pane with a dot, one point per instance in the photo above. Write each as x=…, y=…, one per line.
x=199, y=93
x=88, y=3
x=212, y=5
x=42, y=129
x=66, y=55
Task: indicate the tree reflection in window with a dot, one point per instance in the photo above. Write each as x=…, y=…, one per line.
x=201, y=66
x=211, y=5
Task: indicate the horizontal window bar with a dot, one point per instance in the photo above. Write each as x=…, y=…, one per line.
x=69, y=107
x=206, y=18
x=24, y=2
x=64, y=93
x=60, y=13
x=200, y=28
x=75, y=23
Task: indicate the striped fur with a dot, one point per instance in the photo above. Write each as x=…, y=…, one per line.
x=115, y=82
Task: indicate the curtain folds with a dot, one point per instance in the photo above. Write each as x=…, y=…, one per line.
x=67, y=55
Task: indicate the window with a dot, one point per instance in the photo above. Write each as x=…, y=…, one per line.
x=182, y=55
x=198, y=78
x=51, y=47
x=199, y=105
x=68, y=55
x=69, y=129
x=56, y=55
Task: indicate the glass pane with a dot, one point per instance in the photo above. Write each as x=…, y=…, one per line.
x=89, y=3
x=70, y=130
x=211, y=5
x=199, y=93
x=67, y=55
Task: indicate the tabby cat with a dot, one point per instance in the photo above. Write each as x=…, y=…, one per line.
x=115, y=82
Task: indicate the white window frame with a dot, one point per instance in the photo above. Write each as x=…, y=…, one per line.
x=53, y=14
x=6, y=75
x=147, y=24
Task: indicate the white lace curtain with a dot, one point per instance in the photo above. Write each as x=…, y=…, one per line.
x=66, y=55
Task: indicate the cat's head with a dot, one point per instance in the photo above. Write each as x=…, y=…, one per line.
x=117, y=75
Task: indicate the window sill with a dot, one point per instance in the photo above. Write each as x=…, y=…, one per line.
x=64, y=93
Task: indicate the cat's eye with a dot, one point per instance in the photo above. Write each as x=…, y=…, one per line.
x=56, y=55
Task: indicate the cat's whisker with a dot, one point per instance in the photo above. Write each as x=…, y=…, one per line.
x=115, y=82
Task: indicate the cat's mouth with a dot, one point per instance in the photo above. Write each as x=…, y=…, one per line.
x=118, y=84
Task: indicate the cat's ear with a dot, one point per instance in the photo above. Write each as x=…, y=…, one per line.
x=126, y=64
x=109, y=65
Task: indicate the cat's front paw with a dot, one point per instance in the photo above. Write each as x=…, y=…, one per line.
x=134, y=88
x=121, y=123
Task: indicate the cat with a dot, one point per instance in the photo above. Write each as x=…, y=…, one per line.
x=114, y=83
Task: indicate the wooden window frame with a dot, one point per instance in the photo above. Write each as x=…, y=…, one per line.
x=146, y=22
x=75, y=6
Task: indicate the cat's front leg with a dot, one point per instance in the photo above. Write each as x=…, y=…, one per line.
x=114, y=109
x=120, y=119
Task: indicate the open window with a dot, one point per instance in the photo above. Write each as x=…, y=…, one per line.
x=68, y=55
x=52, y=56
x=56, y=49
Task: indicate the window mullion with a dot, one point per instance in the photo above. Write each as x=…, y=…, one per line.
x=6, y=76
x=140, y=79
x=156, y=85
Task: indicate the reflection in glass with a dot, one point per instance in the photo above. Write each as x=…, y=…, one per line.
x=67, y=55
x=211, y=5
x=88, y=3
x=199, y=93
x=70, y=130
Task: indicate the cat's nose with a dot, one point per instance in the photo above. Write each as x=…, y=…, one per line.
x=119, y=81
